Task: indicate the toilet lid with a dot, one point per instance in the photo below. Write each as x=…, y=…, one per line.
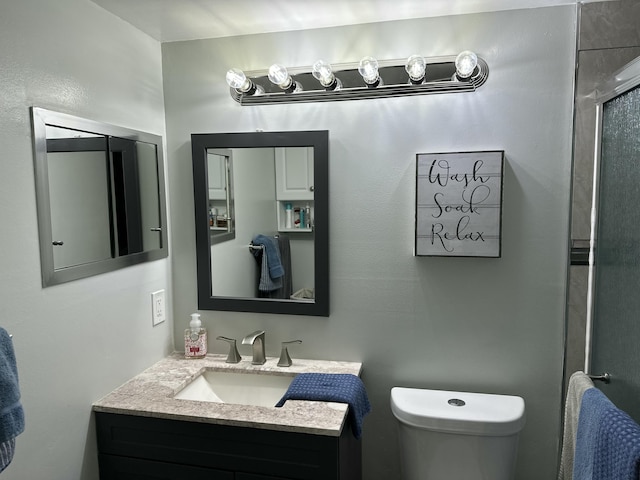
x=458, y=412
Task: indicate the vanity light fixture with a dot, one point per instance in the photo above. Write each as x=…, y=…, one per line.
x=466, y=64
x=237, y=80
x=368, y=68
x=280, y=76
x=370, y=78
x=323, y=72
x=416, y=67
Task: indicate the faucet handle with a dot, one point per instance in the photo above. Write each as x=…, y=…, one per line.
x=285, y=359
x=234, y=355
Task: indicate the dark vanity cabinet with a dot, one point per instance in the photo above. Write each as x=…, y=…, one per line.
x=144, y=448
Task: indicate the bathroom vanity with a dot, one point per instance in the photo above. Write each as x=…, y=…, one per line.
x=144, y=431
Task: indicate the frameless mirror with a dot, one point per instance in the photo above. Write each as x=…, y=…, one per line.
x=100, y=196
x=262, y=221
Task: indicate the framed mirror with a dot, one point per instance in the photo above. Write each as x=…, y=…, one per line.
x=277, y=258
x=100, y=196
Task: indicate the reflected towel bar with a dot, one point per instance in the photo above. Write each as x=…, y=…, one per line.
x=605, y=377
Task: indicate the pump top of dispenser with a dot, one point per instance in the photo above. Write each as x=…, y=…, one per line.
x=195, y=324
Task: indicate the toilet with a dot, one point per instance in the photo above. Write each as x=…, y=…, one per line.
x=448, y=435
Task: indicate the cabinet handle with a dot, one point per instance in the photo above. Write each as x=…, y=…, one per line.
x=57, y=243
x=311, y=188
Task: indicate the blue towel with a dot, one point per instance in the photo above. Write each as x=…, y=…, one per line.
x=266, y=284
x=593, y=408
x=11, y=413
x=332, y=387
x=270, y=248
x=617, y=455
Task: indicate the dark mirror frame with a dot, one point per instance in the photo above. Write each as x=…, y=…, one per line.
x=41, y=118
x=319, y=140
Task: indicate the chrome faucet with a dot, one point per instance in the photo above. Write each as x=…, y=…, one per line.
x=256, y=340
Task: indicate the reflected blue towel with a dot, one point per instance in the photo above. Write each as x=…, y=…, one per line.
x=7, y=449
x=332, y=387
x=11, y=413
x=270, y=248
x=266, y=283
x=617, y=455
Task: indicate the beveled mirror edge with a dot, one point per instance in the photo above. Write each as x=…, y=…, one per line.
x=40, y=117
x=319, y=140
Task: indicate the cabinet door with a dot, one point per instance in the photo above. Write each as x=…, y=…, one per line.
x=294, y=173
x=124, y=468
x=217, y=174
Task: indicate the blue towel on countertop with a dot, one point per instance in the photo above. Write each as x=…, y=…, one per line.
x=11, y=413
x=617, y=455
x=270, y=248
x=332, y=387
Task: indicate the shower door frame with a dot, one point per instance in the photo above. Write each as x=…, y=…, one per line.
x=624, y=80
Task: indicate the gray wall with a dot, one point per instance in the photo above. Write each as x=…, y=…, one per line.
x=486, y=325
x=77, y=341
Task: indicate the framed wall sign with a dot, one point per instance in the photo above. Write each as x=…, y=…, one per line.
x=459, y=204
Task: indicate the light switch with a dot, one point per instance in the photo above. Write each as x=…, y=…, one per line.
x=158, y=307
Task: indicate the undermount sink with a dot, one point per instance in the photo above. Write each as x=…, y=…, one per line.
x=262, y=389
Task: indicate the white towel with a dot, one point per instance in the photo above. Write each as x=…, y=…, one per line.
x=579, y=382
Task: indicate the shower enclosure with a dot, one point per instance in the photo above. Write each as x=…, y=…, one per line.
x=613, y=323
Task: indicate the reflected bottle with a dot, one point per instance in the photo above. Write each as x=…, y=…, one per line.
x=288, y=221
x=195, y=338
x=213, y=217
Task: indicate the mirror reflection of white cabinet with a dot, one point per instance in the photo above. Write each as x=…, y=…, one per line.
x=294, y=173
x=294, y=187
x=216, y=176
x=220, y=195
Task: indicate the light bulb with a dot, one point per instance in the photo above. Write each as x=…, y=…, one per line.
x=238, y=80
x=466, y=63
x=416, y=68
x=368, y=68
x=279, y=75
x=322, y=71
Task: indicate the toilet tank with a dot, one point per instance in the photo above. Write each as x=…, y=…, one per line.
x=446, y=435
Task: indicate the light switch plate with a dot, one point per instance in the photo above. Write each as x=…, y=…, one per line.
x=158, y=307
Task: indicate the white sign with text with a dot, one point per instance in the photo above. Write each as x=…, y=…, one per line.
x=459, y=204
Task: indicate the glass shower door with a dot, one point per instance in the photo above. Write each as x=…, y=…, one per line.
x=615, y=332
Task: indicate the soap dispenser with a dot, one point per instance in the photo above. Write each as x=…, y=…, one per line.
x=195, y=338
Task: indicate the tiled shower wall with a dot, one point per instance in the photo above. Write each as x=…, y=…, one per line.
x=608, y=39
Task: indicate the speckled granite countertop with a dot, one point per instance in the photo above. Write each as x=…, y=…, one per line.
x=150, y=394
